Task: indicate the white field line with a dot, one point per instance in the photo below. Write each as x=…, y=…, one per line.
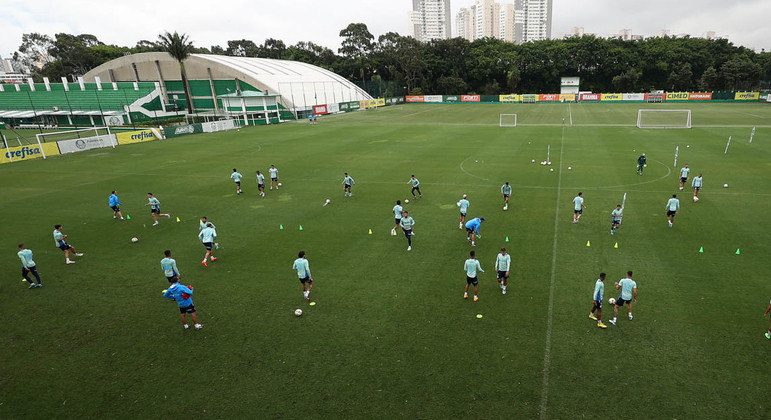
x=570, y=112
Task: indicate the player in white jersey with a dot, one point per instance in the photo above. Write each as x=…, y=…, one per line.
x=502, y=266
x=673, y=206
x=463, y=207
x=684, y=171
x=397, y=212
x=273, y=171
x=261, y=183
x=697, y=183
x=578, y=207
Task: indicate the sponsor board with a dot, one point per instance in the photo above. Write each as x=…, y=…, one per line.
x=510, y=98
x=221, y=125
x=567, y=97
x=432, y=98
x=676, y=96
x=320, y=109
x=15, y=154
x=470, y=98
x=413, y=98
x=395, y=100
x=698, y=96
x=611, y=97
x=114, y=120
x=633, y=97
x=139, y=136
x=452, y=98
x=87, y=143
x=333, y=108
x=179, y=130
x=590, y=97
x=548, y=97
x=746, y=96
x=379, y=102
x=530, y=97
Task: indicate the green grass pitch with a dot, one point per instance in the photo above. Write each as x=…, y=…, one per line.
x=390, y=335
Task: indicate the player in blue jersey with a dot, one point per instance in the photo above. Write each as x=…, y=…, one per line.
x=236, y=177
x=472, y=229
x=599, y=289
x=169, y=266
x=628, y=295
x=304, y=274
x=115, y=204
x=463, y=207
x=183, y=296
x=28, y=266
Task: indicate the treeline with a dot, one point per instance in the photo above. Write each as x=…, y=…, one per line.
x=393, y=64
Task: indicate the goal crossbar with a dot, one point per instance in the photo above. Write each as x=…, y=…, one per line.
x=667, y=123
x=507, y=120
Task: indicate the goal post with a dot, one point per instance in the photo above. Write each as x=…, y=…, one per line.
x=664, y=118
x=77, y=140
x=507, y=120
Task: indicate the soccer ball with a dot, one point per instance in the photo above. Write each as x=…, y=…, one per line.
x=298, y=312
x=328, y=201
x=543, y=163
x=548, y=163
x=570, y=167
x=406, y=201
x=612, y=301
x=532, y=160
x=551, y=169
x=134, y=239
x=687, y=145
x=725, y=185
x=505, y=208
x=280, y=184
x=695, y=199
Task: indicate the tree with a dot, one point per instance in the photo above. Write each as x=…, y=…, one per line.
x=357, y=44
x=216, y=49
x=740, y=73
x=33, y=52
x=242, y=48
x=179, y=47
x=451, y=85
x=709, y=80
x=272, y=48
x=626, y=81
x=512, y=79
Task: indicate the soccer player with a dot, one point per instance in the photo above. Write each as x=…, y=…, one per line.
x=599, y=289
x=506, y=191
x=641, y=164
x=502, y=266
x=155, y=208
x=470, y=267
x=684, y=171
x=472, y=229
x=169, y=266
x=114, y=204
x=406, y=224
x=59, y=238
x=348, y=182
x=628, y=295
x=207, y=236
x=310, y=119
x=261, y=184
x=397, y=211
x=615, y=219
x=463, y=205
x=28, y=266
x=697, y=183
x=415, y=186
x=673, y=206
x=304, y=273
x=202, y=224
x=236, y=176
x=578, y=207
x=273, y=171
x=768, y=310
x=182, y=294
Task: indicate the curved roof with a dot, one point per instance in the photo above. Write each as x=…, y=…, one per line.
x=299, y=84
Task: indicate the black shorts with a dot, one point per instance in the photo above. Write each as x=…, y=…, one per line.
x=505, y=195
x=620, y=302
x=115, y=208
x=462, y=214
x=347, y=186
x=578, y=211
x=397, y=221
x=415, y=189
x=306, y=280
x=156, y=211
x=273, y=179
x=25, y=270
x=696, y=188
x=208, y=245
x=683, y=179
x=187, y=310
x=472, y=280
x=261, y=186
x=238, y=183
x=64, y=246
x=502, y=275
x=469, y=230
x=172, y=278
x=615, y=222
x=407, y=232
x=671, y=213
x=597, y=304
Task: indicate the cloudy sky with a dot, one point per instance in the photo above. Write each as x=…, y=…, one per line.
x=743, y=22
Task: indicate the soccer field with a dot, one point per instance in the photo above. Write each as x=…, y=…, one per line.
x=390, y=335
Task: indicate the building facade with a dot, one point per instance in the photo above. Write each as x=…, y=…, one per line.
x=537, y=25
x=430, y=19
x=520, y=21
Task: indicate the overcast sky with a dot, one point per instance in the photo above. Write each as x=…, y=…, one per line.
x=743, y=22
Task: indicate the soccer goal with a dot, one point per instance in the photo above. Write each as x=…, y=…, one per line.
x=507, y=120
x=70, y=141
x=664, y=118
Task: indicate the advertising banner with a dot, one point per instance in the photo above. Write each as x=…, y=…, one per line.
x=432, y=98
x=472, y=98
x=611, y=97
x=137, y=136
x=114, y=120
x=567, y=97
x=222, y=125
x=452, y=98
x=320, y=109
x=548, y=97
x=530, y=97
x=379, y=101
x=15, y=154
x=697, y=96
x=633, y=97
x=747, y=96
x=676, y=96
x=590, y=97
x=414, y=98
x=395, y=100
x=354, y=105
x=87, y=143
x=176, y=131
x=510, y=98
x=333, y=108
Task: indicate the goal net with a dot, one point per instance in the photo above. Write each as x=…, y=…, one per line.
x=71, y=141
x=507, y=120
x=664, y=118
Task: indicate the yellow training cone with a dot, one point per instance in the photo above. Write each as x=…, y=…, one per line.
x=616, y=245
x=178, y=220
x=370, y=231
x=588, y=244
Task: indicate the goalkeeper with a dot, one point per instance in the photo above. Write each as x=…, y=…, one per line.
x=641, y=163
